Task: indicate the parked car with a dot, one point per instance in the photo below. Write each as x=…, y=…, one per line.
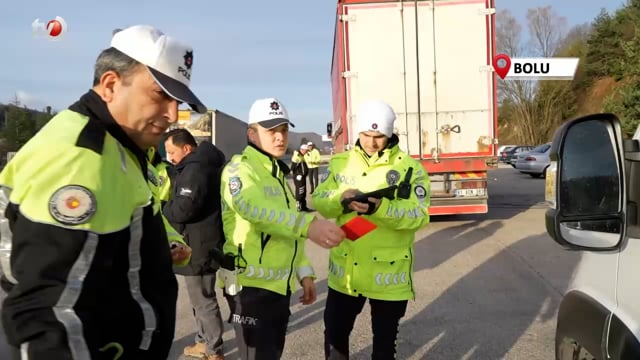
x=593, y=193
x=503, y=148
x=510, y=154
x=534, y=162
x=502, y=152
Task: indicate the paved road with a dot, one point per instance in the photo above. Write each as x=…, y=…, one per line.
x=488, y=287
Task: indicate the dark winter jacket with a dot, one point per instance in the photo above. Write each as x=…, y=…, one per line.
x=194, y=207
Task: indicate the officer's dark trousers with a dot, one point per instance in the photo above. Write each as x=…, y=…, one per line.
x=340, y=314
x=313, y=178
x=301, y=193
x=259, y=318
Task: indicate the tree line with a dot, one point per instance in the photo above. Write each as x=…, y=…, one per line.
x=20, y=124
x=606, y=80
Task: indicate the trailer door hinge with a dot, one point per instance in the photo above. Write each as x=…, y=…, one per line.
x=349, y=74
x=487, y=11
x=347, y=18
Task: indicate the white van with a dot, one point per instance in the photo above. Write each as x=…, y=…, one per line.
x=593, y=189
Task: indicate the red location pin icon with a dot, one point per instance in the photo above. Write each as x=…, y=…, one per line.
x=502, y=71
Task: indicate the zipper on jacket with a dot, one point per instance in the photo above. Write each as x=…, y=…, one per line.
x=274, y=173
x=236, y=260
x=284, y=189
x=411, y=272
x=293, y=259
x=264, y=238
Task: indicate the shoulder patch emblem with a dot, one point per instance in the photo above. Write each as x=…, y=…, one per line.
x=393, y=177
x=235, y=185
x=325, y=176
x=420, y=191
x=72, y=205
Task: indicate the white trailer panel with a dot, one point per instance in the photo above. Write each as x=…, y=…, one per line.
x=441, y=71
x=464, y=79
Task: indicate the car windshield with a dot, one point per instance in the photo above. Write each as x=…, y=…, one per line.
x=541, y=148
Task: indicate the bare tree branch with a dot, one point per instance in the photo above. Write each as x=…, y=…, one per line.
x=546, y=30
x=15, y=100
x=508, y=34
x=535, y=107
x=508, y=41
x=578, y=33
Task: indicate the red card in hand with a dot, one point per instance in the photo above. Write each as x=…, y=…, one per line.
x=357, y=227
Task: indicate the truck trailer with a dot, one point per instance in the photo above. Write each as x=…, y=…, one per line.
x=226, y=132
x=431, y=60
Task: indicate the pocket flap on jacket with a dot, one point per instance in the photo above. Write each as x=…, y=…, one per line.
x=389, y=254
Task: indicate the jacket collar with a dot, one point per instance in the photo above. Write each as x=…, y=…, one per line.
x=90, y=104
x=271, y=164
x=185, y=160
x=385, y=154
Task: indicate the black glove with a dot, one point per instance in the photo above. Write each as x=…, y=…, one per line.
x=345, y=206
x=225, y=261
x=346, y=209
x=371, y=209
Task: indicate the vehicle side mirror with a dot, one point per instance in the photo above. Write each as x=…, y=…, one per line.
x=585, y=184
x=329, y=129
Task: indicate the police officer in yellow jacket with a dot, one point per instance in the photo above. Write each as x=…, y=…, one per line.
x=181, y=252
x=164, y=180
x=378, y=265
x=265, y=236
x=164, y=170
x=85, y=255
x=312, y=157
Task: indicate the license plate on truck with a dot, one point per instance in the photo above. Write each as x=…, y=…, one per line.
x=470, y=192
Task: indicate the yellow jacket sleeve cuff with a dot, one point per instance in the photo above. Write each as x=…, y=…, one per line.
x=382, y=209
x=307, y=223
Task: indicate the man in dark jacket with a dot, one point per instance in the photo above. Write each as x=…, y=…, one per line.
x=193, y=210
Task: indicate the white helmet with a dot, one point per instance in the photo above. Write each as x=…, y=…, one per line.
x=375, y=115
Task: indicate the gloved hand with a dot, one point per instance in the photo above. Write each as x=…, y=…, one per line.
x=299, y=177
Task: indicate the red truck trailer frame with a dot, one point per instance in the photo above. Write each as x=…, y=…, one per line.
x=463, y=149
